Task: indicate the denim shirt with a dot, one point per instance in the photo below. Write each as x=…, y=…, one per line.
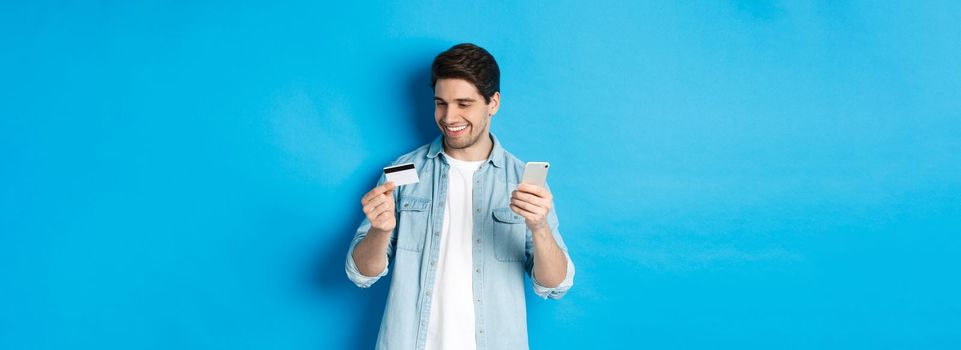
x=503, y=251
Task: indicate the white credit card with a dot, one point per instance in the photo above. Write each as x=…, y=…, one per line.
x=402, y=174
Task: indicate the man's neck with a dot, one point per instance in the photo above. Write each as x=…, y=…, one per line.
x=478, y=151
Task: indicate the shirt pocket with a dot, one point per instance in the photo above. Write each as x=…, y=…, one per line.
x=510, y=235
x=412, y=222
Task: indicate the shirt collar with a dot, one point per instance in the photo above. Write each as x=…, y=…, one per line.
x=496, y=157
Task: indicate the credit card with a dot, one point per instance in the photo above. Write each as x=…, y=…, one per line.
x=403, y=174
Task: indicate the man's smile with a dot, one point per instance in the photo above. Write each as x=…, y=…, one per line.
x=456, y=130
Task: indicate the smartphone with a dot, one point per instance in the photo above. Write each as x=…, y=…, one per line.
x=535, y=173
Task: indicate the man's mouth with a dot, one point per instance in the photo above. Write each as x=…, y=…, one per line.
x=455, y=130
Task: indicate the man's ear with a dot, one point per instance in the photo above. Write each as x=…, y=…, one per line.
x=495, y=104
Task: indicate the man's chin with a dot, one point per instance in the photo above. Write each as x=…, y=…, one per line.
x=458, y=144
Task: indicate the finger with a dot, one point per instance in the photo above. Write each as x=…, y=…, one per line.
x=390, y=201
x=370, y=195
x=377, y=190
x=382, y=216
x=534, y=190
x=545, y=203
x=520, y=211
x=530, y=198
x=525, y=204
x=374, y=202
x=381, y=206
x=526, y=187
x=531, y=208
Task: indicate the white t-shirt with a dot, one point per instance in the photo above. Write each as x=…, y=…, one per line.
x=451, y=324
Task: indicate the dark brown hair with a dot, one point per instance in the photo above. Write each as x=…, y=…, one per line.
x=469, y=62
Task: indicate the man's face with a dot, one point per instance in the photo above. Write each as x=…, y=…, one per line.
x=461, y=113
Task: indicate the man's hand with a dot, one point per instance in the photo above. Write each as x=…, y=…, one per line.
x=379, y=207
x=533, y=203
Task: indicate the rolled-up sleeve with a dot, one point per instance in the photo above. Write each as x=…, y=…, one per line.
x=561, y=289
x=354, y=274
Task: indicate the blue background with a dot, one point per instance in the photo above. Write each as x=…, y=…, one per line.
x=728, y=174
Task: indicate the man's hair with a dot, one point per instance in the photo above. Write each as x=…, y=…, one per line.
x=469, y=62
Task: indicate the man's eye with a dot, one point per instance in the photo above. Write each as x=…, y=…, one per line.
x=464, y=105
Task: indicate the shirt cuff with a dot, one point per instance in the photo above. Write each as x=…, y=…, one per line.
x=358, y=278
x=561, y=289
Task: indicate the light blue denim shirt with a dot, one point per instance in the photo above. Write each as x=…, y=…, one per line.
x=503, y=252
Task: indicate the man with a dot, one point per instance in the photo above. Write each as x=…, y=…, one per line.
x=461, y=238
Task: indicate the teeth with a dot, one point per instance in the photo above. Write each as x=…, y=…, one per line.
x=456, y=129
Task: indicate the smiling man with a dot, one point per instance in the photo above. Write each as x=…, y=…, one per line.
x=461, y=239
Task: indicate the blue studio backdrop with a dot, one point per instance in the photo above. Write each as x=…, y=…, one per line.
x=727, y=174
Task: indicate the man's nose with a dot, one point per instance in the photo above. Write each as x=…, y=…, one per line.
x=448, y=115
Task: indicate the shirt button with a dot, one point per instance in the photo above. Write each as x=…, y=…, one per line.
x=478, y=210
x=428, y=292
x=432, y=263
x=478, y=241
x=478, y=300
x=478, y=270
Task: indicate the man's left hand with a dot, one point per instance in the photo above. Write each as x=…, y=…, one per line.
x=533, y=203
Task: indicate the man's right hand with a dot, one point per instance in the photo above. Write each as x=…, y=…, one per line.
x=379, y=207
